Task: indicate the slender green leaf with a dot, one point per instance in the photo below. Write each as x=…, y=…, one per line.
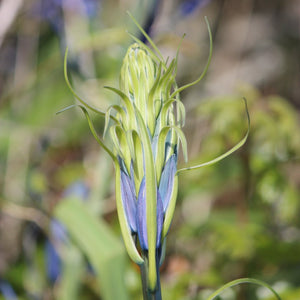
x=205, y=68
x=92, y=128
x=121, y=112
x=240, y=281
x=73, y=268
x=146, y=35
x=96, y=110
x=100, y=245
x=233, y=149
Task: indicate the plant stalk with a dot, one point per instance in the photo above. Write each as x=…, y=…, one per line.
x=147, y=293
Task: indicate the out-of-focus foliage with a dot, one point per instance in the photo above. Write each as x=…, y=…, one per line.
x=234, y=219
x=246, y=208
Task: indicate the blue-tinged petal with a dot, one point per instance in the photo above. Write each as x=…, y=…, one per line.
x=129, y=200
x=77, y=189
x=154, y=145
x=58, y=231
x=142, y=218
x=160, y=219
x=53, y=262
x=189, y=6
x=167, y=180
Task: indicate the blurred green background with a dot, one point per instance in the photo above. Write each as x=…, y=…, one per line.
x=59, y=233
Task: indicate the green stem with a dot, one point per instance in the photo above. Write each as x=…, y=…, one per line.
x=147, y=293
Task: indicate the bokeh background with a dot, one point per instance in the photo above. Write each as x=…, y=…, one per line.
x=59, y=233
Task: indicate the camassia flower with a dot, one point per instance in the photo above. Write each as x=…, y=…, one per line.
x=142, y=135
x=145, y=138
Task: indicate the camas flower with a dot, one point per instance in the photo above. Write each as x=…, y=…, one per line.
x=143, y=134
x=145, y=139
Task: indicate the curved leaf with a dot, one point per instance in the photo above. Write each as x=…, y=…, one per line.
x=206, y=66
x=146, y=35
x=240, y=281
x=94, y=109
x=92, y=128
x=128, y=106
x=233, y=149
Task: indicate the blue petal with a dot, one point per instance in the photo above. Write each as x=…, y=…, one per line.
x=160, y=219
x=53, y=262
x=167, y=180
x=129, y=200
x=142, y=217
x=189, y=6
x=154, y=145
x=7, y=291
x=58, y=231
x=77, y=189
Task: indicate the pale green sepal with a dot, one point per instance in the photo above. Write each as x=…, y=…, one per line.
x=206, y=66
x=181, y=112
x=133, y=70
x=145, y=35
x=236, y=147
x=125, y=229
x=139, y=157
x=121, y=112
x=130, y=144
x=151, y=113
x=128, y=106
x=168, y=79
x=171, y=208
x=151, y=192
x=119, y=139
x=124, y=144
x=151, y=53
x=239, y=281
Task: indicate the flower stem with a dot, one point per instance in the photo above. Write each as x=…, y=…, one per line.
x=147, y=293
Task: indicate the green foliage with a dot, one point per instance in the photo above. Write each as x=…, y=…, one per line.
x=237, y=218
x=98, y=243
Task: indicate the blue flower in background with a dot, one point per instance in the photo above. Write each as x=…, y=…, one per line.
x=186, y=8
x=77, y=189
x=189, y=6
x=150, y=17
x=7, y=291
x=59, y=234
x=52, y=11
x=53, y=261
